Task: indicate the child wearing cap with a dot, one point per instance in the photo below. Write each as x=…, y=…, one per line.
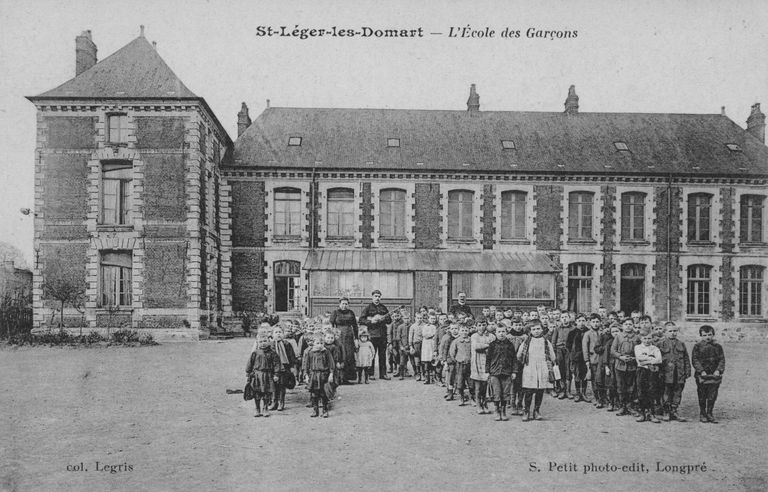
x=708, y=364
x=364, y=355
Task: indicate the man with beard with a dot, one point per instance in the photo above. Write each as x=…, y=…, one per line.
x=376, y=317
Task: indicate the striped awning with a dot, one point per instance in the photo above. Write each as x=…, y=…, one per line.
x=440, y=261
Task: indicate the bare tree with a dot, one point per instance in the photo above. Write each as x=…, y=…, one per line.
x=63, y=286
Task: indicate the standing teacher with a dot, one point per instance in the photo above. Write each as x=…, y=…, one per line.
x=376, y=317
x=344, y=319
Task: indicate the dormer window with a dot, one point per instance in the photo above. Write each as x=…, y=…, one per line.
x=393, y=142
x=621, y=146
x=508, y=145
x=294, y=141
x=733, y=147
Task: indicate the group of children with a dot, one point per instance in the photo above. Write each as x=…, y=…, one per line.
x=508, y=358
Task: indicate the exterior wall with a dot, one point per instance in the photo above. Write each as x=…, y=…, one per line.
x=548, y=228
x=427, y=215
x=173, y=179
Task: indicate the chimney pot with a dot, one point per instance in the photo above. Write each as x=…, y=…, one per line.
x=756, y=123
x=473, y=103
x=85, y=52
x=243, y=119
x=267, y=103
x=572, y=101
x=141, y=30
x=154, y=45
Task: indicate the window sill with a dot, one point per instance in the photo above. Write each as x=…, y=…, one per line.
x=751, y=319
x=385, y=239
x=348, y=239
x=119, y=310
x=750, y=244
x=701, y=244
x=286, y=239
x=515, y=241
x=626, y=242
x=116, y=144
x=700, y=317
x=459, y=240
x=582, y=241
x=114, y=227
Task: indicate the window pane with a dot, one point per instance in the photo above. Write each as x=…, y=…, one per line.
x=110, y=206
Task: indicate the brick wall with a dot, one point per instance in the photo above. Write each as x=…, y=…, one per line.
x=64, y=231
x=161, y=321
x=727, y=226
x=664, y=217
x=428, y=227
x=164, y=275
x=65, y=186
x=427, y=289
x=549, y=206
x=64, y=262
x=672, y=219
x=727, y=289
x=164, y=197
x=489, y=218
x=248, y=281
x=248, y=220
x=366, y=216
x=608, y=223
x=71, y=132
x=660, y=294
x=159, y=132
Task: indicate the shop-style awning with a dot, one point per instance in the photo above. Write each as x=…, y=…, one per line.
x=440, y=261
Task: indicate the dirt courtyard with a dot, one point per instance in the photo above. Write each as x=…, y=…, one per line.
x=163, y=414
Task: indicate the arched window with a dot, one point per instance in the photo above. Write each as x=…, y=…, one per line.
x=392, y=213
x=513, y=215
x=633, y=216
x=699, y=214
x=287, y=212
x=580, y=215
x=698, y=289
x=341, y=213
x=286, y=278
x=460, y=214
x=751, y=218
x=751, y=290
x=580, y=287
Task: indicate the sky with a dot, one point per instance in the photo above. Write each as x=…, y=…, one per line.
x=648, y=56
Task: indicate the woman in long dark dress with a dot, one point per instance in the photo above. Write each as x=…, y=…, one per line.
x=345, y=320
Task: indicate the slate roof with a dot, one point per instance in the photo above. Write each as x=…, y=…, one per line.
x=460, y=141
x=133, y=71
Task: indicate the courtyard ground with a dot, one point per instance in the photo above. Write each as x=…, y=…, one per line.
x=164, y=412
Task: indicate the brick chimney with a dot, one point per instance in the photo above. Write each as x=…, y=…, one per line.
x=473, y=103
x=572, y=101
x=243, y=120
x=756, y=122
x=85, y=52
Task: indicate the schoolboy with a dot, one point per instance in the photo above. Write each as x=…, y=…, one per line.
x=708, y=364
x=460, y=354
x=448, y=367
x=623, y=353
x=516, y=334
x=648, y=359
x=576, y=354
x=589, y=343
x=414, y=344
x=501, y=366
x=559, y=341
x=675, y=369
x=442, y=328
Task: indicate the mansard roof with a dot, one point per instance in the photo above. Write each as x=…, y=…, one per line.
x=133, y=71
x=542, y=142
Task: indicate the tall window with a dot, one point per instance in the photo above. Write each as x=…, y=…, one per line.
x=116, y=278
x=698, y=289
x=699, y=211
x=392, y=213
x=633, y=216
x=116, y=191
x=117, y=128
x=751, y=218
x=580, y=287
x=287, y=212
x=750, y=290
x=580, y=215
x=341, y=213
x=513, y=215
x=460, y=214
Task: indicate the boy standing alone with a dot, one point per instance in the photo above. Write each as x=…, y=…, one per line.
x=708, y=363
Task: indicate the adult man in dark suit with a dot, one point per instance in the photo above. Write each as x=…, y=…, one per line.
x=376, y=317
x=462, y=306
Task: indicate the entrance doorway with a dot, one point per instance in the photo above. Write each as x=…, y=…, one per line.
x=287, y=275
x=632, y=287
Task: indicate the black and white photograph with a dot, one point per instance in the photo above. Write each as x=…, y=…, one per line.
x=361, y=245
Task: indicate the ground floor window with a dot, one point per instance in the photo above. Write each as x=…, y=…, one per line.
x=580, y=287
x=698, y=302
x=360, y=284
x=506, y=286
x=632, y=287
x=116, y=278
x=750, y=290
x=287, y=274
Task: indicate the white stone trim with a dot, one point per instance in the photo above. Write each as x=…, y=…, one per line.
x=272, y=256
x=477, y=214
x=714, y=217
x=715, y=289
x=738, y=262
x=322, y=215
x=649, y=260
x=269, y=199
x=410, y=219
x=649, y=231
x=597, y=214
x=739, y=192
x=597, y=272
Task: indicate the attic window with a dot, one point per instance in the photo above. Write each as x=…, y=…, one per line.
x=294, y=141
x=621, y=146
x=508, y=145
x=393, y=142
x=733, y=147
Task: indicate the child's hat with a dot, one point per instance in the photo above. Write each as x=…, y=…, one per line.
x=363, y=331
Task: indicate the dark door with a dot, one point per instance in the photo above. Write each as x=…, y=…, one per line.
x=632, y=287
